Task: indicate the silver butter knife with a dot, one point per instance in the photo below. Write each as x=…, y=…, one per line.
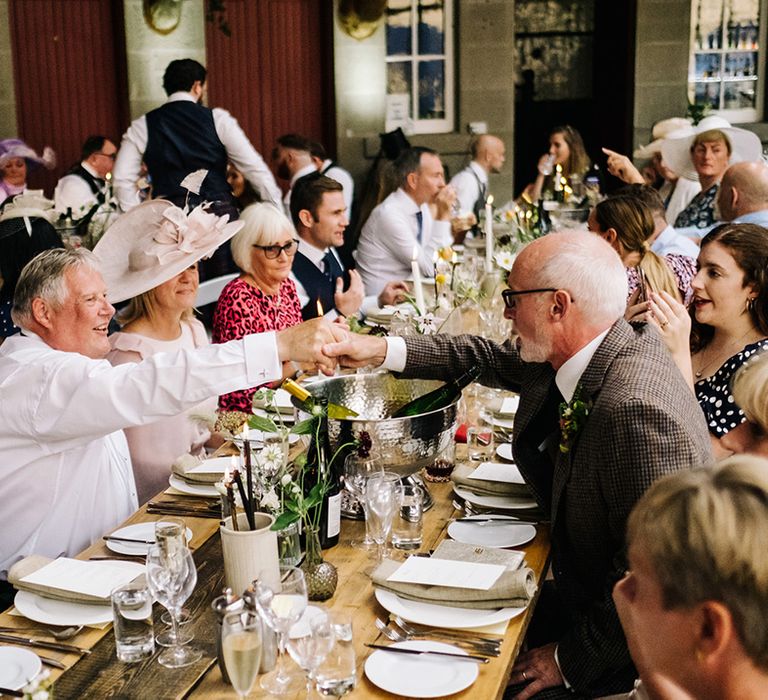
x=427, y=652
x=42, y=644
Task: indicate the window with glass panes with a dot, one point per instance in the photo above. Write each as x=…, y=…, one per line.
x=420, y=66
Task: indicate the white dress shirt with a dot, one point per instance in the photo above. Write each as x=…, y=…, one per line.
x=306, y=170
x=238, y=147
x=389, y=238
x=65, y=470
x=73, y=192
x=467, y=185
x=672, y=242
x=343, y=177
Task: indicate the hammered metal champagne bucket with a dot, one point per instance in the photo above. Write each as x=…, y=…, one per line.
x=406, y=445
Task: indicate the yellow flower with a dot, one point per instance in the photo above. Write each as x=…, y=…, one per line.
x=446, y=253
x=440, y=278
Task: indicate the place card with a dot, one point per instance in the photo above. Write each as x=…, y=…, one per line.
x=448, y=573
x=509, y=405
x=96, y=579
x=497, y=471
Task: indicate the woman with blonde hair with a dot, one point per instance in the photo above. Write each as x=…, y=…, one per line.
x=627, y=224
x=750, y=392
x=263, y=297
x=693, y=601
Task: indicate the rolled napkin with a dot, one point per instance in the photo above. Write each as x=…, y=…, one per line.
x=487, y=487
x=71, y=579
x=184, y=467
x=514, y=588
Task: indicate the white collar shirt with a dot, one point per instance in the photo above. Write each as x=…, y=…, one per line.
x=65, y=470
x=672, y=242
x=568, y=376
x=389, y=239
x=467, y=183
x=73, y=192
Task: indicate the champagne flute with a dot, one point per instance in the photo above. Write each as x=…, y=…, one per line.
x=171, y=577
x=380, y=497
x=281, y=604
x=241, y=643
x=310, y=650
x=171, y=534
x=356, y=473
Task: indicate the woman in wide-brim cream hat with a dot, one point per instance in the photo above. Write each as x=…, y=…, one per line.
x=706, y=153
x=150, y=256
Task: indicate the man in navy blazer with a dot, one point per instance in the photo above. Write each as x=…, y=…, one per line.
x=638, y=421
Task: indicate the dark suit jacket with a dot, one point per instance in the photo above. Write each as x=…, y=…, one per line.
x=644, y=423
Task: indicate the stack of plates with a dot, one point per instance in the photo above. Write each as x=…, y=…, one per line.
x=507, y=532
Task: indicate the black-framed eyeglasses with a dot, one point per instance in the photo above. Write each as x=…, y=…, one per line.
x=508, y=295
x=111, y=156
x=272, y=252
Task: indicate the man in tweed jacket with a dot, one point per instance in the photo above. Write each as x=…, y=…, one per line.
x=643, y=422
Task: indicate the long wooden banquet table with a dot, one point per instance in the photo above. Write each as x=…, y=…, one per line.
x=100, y=674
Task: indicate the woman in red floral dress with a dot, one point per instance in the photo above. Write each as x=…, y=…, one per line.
x=263, y=297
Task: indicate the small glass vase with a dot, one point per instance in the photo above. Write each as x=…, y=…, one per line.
x=321, y=576
x=288, y=545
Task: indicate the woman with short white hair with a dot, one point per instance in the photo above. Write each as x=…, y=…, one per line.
x=263, y=297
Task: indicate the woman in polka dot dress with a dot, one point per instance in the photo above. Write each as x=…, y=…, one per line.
x=728, y=319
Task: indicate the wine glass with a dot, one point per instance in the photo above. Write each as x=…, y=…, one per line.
x=310, y=650
x=171, y=534
x=380, y=498
x=171, y=577
x=241, y=643
x=356, y=473
x=281, y=604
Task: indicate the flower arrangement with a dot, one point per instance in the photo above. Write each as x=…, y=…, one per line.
x=39, y=688
x=573, y=416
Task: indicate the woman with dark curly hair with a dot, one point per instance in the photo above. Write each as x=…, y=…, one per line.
x=566, y=149
x=728, y=320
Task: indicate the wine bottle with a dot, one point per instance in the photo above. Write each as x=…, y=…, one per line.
x=318, y=468
x=311, y=404
x=439, y=398
x=545, y=223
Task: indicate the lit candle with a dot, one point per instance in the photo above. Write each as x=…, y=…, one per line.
x=320, y=312
x=489, y=233
x=418, y=292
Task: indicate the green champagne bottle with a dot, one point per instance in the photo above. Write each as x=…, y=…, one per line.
x=313, y=406
x=439, y=398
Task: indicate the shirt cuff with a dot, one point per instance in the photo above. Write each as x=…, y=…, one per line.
x=397, y=353
x=557, y=661
x=262, y=362
x=442, y=232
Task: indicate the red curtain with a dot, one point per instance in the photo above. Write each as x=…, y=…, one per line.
x=70, y=76
x=275, y=72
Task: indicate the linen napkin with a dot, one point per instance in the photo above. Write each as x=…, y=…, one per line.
x=184, y=468
x=514, y=588
x=72, y=580
x=486, y=487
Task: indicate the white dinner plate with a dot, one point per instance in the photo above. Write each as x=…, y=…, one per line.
x=257, y=437
x=442, y=615
x=495, y=502
x=301, y=628
x=288, y=418
x=425, y=676
x=65, y=613
x=17, y=667
x=139, y=531
x=282, y=401
x=495, y=534
x=505, y=452
x=203, y=490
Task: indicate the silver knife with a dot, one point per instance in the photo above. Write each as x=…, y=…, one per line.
x=54, y=663
x=427, y=652
x=34, y=642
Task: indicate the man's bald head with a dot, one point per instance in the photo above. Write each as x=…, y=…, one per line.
x=488, y=151
x=744, y=190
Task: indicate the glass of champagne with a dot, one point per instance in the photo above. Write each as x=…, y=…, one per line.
x=380, y=497
x=281, y=604
x=310, y=650
x=241, y=640
x=171, y=577
x=171, y=534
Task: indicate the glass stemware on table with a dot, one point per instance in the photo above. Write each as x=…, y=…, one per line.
x=310, y=650
x=357, y=470
x=171, y=577
x=241, y=643
x=171, y=533
x=381, y=503
x=281, y=604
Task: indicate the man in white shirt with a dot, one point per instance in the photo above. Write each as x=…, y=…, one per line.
x=401, y=228
x=292, y=160
x=471, y=183
x=181, y=137
x=603, y=413
x=85, y=186
x=319, y=213
x=65, y=470
x=325, y=166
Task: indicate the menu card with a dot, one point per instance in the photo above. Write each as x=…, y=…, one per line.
x=509, y=405
x=449, y=573
x=496, y=471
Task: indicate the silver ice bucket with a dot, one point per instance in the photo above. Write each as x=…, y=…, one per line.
x=406, y=445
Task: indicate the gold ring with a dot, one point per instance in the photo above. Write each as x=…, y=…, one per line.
x=525, y=678
x=664, y=324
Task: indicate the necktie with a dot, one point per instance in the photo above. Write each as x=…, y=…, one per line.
x=331, y=270
x=419, y=222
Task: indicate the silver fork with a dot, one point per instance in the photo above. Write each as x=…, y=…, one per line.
x=402, y=636
x=58, y=635
x=461, y=636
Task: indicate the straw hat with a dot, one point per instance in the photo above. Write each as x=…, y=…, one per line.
x=677, y=151
x=156, y=241
x=16, y=148
x=661, y=131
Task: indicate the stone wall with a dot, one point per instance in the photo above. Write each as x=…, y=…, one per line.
x=8, y=124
